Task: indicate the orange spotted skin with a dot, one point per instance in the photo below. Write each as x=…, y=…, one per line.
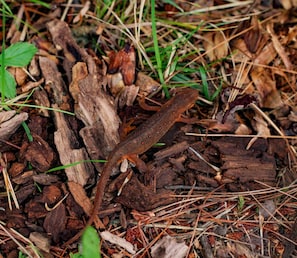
x=142, y=139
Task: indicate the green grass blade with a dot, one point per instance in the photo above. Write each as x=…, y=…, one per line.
x=205, y=89
x=217, y=92
x=42, y=3
x=27, y=131
x=6, y=8
x=156, y=47
x=74, y=164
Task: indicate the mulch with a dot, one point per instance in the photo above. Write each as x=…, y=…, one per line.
x=83, y=121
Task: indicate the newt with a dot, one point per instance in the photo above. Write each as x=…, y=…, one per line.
x=139, y=141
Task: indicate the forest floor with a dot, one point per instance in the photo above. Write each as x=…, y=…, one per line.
x=221, y=182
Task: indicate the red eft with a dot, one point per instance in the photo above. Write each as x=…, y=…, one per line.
x=140, y=140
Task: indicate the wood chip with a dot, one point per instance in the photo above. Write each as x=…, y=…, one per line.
x=168, y=247
x=114, y=239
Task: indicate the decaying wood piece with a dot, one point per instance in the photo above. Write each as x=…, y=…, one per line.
x=143, y=198
x=66, y=142
x=98, y=113
x=10, y=122
x=41, y=99
x=62, y=38
x=247, y=168
x=93, y=106
x=246, y=165
x=54, y=84
x=42, y=242
x=172, y=150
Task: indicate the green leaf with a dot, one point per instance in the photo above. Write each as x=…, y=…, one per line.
x=19, y=54
x=9, y=87
x=90, y=243
x=76, y=255
x=21, y=255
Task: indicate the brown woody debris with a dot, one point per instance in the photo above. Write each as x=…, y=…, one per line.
x=39, y=154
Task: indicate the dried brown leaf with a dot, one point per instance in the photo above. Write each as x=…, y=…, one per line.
x=279, y=48
x=214, y=47
x=254, y=38
x=40, y=241
x=269, y=96
x=124, y=62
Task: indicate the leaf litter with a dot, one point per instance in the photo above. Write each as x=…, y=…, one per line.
x=224, y=182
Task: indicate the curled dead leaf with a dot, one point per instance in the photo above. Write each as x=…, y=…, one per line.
x=254, y=38
x=124, y=62
x=146, y=84
x=128, y=64
x=269, y=96
x=214, y=47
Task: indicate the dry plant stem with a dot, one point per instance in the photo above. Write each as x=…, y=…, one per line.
x=259, y=111
x=140, y=140
x=10, y=144
x=55, y=206
x=194, y=231
x=258, y=195
x=241, y=135
x=13, y=235
x=228, y=40
x=218, y=7
x=125, y=30
x=66, y=10
x=240, y=78
x=270, y=215
x=8, y=185
x=158, y=237
x=204, y=160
